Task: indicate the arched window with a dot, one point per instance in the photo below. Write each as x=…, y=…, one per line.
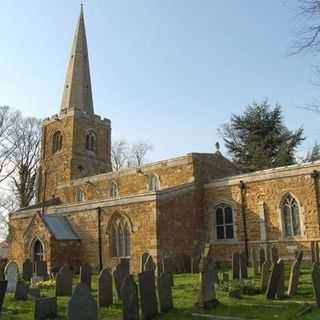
x=290, y=216
x=80, y=195
x=121, y=238
x=37, y=251
x=57, y=141
x=114, y=191
x=91, y=139
x=154, y=183
x=224, y=222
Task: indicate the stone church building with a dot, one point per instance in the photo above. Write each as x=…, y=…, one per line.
x=87, y=213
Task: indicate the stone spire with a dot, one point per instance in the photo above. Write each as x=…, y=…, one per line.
x=77, y=93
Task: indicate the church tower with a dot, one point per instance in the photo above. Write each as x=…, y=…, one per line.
x=76, y=143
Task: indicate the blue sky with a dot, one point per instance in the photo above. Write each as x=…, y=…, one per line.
x=166, y=72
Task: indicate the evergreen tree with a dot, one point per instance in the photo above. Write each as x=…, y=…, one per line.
x=258, y=138
x=314, y=154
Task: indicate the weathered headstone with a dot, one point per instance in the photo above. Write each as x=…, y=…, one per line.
x=243, y=266
x=312, y=249
x=130, y=301
x=265, y=274
x=254, y=261
x=85, y=275
x=64, y=282
x=119, y=275
x=207, y=294
x=195, y=263
x=262, y=258
x=274, y=254
x=148, y=297
x=41, y=269
x=151, y=266
x=27, y=270
x=45, y=308
x=105, y=293
x=11, y=274
x=276, y=281
x=21, y=291
x=165, y=292
x=3, y=289
x=82, y=305
x=316, y=282
x=235, y=266
x=294, y=275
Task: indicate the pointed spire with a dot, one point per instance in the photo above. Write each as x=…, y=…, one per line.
x=77, y=93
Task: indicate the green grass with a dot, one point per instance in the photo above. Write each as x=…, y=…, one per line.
x=185, y=294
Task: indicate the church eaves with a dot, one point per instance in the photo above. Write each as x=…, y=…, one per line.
x=77, y=93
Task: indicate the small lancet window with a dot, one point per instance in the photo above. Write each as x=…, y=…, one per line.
x=291, y=216
x=91, y=139
x=154, y=183
x=57, y=140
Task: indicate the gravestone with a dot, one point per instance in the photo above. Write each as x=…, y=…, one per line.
x=276, y=281
x=41, y=269
x=130, y=301
x=45, y=308
x=27, y=270
x=207, y=294
x=316, y=282
x=105, y=293
x=262, y=258
x=85, y=275
x=265, y=274
x=313, y=255
x=82, y=305
x=317, y=252
x=34, y=293
x=3, y=290
x=119, y=275
x=165, y=292
x=195, y=263
x=294, y=275
x=11, y=274
x=235, y=266
x=143, y=261
x=64, y=282
x=148, y=297
x=274, y=254
x=151, y=266
x=22, y=290
x=243, y=266
x=254, y=261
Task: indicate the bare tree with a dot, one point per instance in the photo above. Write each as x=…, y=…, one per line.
x=138, y=153
x=119, y=154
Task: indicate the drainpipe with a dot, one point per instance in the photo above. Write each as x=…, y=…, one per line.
x=315, y=176
x=99, y=239
x=244, y=218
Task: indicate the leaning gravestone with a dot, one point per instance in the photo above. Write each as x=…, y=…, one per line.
x=148, y=297
x=130, y=300
x=3, y=289
x=265, y=273
x=11, y=274
x=64, y=282
x=105, y=293
x=262, y=258
x=27, y=270
x=22, y=290
x=45, y=308
x=235, y=266
x=85, y=275
x=294, y=275
x=276, y=281
x=207, y=294
x=165, y=292
x=119, y=275
x=243, y=266
x=316, y=282
x=82, y=305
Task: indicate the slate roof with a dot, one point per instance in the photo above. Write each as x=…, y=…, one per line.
x=60, y=227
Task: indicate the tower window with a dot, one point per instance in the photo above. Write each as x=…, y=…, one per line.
x=91, y=139
x=57, y=141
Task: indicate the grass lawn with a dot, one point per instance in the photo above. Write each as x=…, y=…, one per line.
x=185, y=294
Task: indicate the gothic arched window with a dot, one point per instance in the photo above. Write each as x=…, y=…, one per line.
x=120, y=238
x=291, y=216
x=224, y=222
x=114, y=190
x=154, y=183
x=57, y=141
x=91, y=139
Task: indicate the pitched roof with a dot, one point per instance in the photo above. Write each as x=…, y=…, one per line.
x=60, y=227
x=77, y=93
